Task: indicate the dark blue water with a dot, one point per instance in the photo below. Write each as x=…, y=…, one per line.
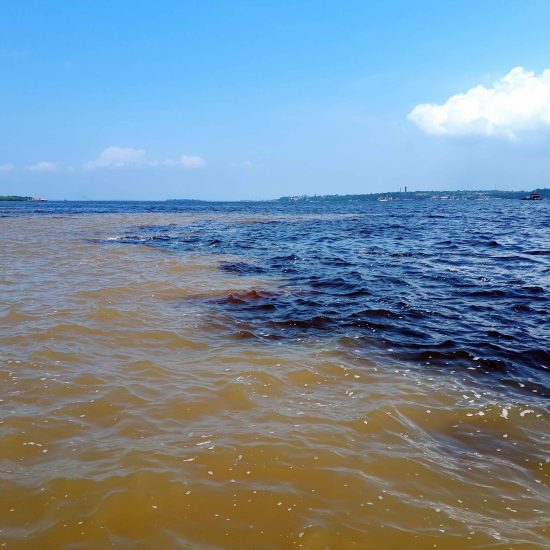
x=452, y=285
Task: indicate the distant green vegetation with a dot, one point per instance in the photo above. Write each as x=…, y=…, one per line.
x=14, y=198
x=420, y=195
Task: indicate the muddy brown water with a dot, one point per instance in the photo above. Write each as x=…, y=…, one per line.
x=133, y=416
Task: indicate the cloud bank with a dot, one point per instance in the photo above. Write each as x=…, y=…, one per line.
x=117, y=157
x=189, y=162
x=6, y=167
x=44, y=166
x=518, y=102
x=128, y=157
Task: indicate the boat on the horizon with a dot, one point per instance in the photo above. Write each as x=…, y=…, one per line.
x=534, y=196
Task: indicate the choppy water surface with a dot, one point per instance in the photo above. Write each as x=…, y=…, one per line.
x=334, y=375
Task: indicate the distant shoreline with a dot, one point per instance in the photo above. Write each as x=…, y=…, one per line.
x=18, y=198
x=14, y=198
x=418, y=195
x=384, y=196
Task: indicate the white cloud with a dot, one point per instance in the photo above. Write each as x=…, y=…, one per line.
x=246, y=165
x=117, y=157
x=128, y=157
x=44, y=166
x=6, y=167
x=188, y=162
x=517, y=102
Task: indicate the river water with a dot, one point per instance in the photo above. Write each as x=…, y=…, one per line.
x=275, y=375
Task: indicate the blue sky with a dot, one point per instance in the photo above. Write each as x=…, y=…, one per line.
x=251, y=100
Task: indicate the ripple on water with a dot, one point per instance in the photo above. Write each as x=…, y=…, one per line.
x=370, y=407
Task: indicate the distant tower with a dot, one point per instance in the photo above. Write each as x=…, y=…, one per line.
x=405, y=188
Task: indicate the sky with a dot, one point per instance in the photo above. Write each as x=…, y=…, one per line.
x=232, y=100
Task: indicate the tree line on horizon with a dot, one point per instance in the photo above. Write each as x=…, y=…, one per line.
x=420, y=195
x=14, y=198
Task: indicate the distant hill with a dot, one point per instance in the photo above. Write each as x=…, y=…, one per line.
x=420, y=195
